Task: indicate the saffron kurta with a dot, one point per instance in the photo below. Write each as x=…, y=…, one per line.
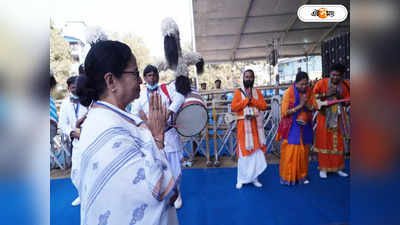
x=329, y=143
x=251, y=162
x=238, y=105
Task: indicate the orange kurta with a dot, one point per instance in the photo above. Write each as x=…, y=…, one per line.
x=293, y=167
x=329, y=143
x=238, y=105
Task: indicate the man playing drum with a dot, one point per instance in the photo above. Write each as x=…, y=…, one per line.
x=249, y=102
x=173, y=100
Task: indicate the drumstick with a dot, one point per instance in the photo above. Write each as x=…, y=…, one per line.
x=330, y=102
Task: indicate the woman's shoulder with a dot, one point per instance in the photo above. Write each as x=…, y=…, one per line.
x=99, y=118
x=100, y=122
x=289, y=90
x=289, y=94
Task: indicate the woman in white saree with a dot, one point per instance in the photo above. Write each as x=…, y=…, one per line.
x=125, y=178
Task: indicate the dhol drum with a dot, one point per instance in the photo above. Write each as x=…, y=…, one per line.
x=192, y=117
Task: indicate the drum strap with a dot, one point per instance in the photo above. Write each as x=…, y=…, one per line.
x=164, y=89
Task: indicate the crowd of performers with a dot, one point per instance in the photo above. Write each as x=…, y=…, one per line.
x=126, y=158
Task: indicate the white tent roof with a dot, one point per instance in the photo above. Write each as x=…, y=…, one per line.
x=235, y=30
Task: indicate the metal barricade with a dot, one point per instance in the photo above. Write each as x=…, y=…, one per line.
x=272, y=122
x=62, y=153
x=227, y=138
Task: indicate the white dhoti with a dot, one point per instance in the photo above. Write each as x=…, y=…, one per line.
x=76, y=163
x=250, y=167
x=172, y=216
x=174, y=152
x=174, y=159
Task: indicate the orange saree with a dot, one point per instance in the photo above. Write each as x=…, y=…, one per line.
x=293, y=167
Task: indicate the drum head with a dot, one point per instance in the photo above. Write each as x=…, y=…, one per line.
x=191, y=120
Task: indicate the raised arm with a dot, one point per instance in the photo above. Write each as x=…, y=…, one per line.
x=177, y=100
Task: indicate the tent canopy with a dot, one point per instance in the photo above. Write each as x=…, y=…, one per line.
x=237, y=30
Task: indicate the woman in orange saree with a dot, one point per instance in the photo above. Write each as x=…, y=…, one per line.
x=295, y=129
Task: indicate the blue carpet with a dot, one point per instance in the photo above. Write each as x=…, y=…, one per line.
x=210, y=198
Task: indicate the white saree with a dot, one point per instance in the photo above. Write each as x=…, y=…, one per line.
x=125, y=178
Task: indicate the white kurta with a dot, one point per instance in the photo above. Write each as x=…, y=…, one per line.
x=69, y=113
x=125, y=178
x=250, y=167
x=173, y=144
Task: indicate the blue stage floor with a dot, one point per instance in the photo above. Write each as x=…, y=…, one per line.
x=210, y=198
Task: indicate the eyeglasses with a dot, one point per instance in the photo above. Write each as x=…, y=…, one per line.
x=136, y=72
